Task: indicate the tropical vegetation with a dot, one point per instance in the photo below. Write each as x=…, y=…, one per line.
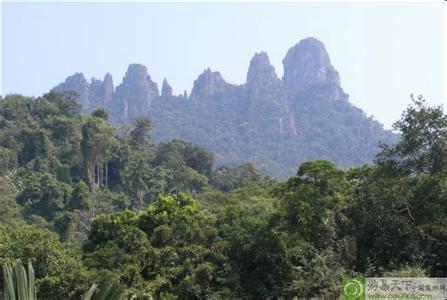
x=99, y=211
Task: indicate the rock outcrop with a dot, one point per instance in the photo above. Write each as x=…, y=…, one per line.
x=266, y=97
x=90, y=95
x=78, y=85
x=261, y=73
x=307, y=65
x=101, y=91
x=276, y=123
x=166, y=90
x=134, y=95
x=208, y=83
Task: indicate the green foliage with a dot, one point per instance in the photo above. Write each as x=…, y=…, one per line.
x=423, y=146
x=10, y=210
x=312, y=201
x=80, y=197
x=398, y=209
x=154, y=250
x=58, y=272
x=8, y=160
x=97, y=144
x=407, y=271
x=266, y=125
x=257, y=255
x=143, y=181
x=37, y=145
x=190, y=164
x=105, y=291
x=85, y=205
x=140, y=134
x=101, y=113
x=44, y=195
x=17, y=283
x=230, y=178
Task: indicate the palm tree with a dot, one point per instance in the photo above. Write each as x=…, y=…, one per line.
x=17, y=284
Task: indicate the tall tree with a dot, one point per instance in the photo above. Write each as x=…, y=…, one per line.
x=97, y=144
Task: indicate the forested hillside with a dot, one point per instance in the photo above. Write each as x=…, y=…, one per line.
x=275, y=123
x=87, y=203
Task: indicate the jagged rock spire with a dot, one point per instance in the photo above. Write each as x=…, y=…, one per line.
x=101, y=91
x=307, y=63
x=136, y=93
x=108, y=86
x=261, y=72
x=166, y=90
x=208, y=83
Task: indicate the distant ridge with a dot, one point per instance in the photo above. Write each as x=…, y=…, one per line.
x=272, y=122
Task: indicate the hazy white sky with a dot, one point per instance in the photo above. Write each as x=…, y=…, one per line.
x=383, y=52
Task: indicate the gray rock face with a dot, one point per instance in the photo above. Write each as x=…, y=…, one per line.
x=166, y=90
x=135, y=94
x=261, y=73
x=207, y=84
x=77, y=84
x=307, y=64
x=101, y=91
x=266, y=97
x=96, y=93
x=108, y=87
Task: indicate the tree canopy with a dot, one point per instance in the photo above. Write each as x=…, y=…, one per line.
x=87, y=203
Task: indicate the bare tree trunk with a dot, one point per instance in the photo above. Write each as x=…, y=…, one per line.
x=94, y=178
x=88, y=177
x=99, y=176
x=107, y=176
x=103, y=173
x=140, y=198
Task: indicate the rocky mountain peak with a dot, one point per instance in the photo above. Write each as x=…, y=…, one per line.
x=208, y=83
x=272, y=122
x=109, y=88
x=76, y=80
x=96, y=83
x=306, y=64
x=166, y=90
x=135, y=94
x=101, y=91
x=78, y=84
x=261, y=72
x=137, y=77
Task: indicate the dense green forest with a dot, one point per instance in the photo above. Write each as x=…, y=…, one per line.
x=88, y=203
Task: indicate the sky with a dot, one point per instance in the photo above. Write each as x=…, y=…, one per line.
x=383, y=52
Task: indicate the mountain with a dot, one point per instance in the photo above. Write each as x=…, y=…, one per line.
x=277, y=123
